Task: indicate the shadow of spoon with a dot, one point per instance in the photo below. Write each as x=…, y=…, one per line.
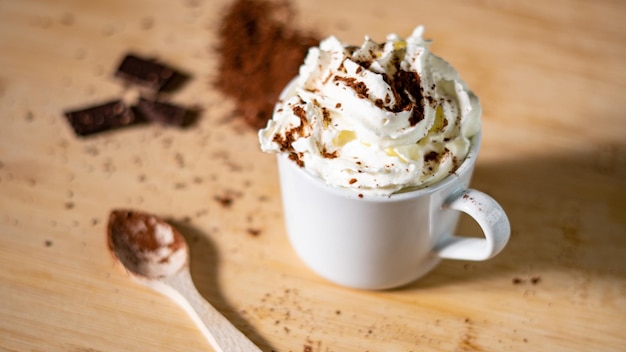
x=157, y=256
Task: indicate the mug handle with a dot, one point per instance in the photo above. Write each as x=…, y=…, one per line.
x=490, y=217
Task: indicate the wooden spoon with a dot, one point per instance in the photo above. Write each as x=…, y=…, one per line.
x=157, y=256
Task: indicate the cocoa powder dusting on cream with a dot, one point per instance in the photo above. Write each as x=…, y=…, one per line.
x=259, y=53
x=407, y=91
x=301, y=113
x=297, y=158
x=285, y=141
x=327, y=154
x=359, y=87
x=407, y=87
x=431, y=156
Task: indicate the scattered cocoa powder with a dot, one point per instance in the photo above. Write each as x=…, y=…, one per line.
x=533, y=280
x=254, y=232
x=225, y=200
x=227, y=197
x=259, y=53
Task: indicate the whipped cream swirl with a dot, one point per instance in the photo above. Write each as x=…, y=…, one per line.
x=378, y=118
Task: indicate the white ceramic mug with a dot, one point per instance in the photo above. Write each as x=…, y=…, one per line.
x=380, y=242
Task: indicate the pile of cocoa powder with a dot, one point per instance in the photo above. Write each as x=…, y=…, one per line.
x=259, y=53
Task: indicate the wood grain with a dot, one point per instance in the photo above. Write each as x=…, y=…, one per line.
x=550, y=76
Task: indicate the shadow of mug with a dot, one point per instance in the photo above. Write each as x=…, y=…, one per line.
x=567, y=213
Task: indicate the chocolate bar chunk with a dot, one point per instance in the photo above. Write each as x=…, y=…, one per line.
x=145, y=72
x=162, y=112
x=111, y=115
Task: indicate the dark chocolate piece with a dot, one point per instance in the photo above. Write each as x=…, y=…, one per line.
x=162, y=112
x=99, y=118
x=145, y=72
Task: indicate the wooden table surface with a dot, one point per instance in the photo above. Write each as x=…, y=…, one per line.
x=551, y=76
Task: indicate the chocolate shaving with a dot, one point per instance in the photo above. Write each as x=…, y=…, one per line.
x=431, y=156
x=407, y=91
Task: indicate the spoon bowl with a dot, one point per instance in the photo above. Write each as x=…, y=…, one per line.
x=145, y=245
x=157, y=256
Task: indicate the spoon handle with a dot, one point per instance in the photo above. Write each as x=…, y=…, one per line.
x=223, y=336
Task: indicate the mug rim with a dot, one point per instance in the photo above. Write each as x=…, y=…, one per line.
x=346, y=192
